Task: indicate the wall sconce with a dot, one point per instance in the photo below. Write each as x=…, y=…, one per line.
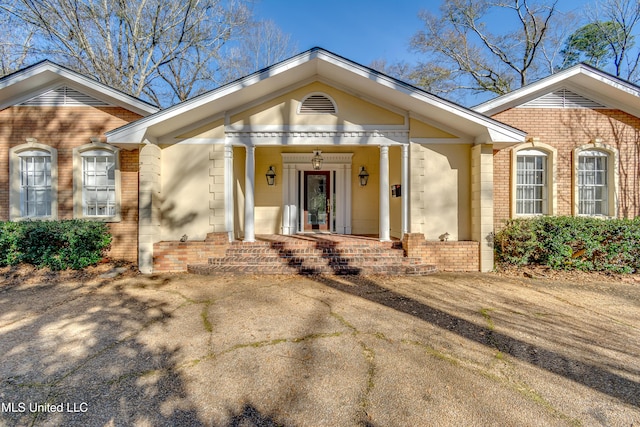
x=364, y=176
x=317, y=160
x=271, y=176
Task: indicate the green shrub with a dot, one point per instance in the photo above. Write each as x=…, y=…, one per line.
x=571, y=243
x=10, y=238
x=55, y=244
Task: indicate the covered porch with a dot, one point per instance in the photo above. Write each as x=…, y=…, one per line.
x=337, y=189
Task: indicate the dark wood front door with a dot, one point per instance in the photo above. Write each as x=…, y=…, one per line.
x=317, y=200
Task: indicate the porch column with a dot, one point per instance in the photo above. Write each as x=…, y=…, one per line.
x=482, y=202
x=404, y=182
x=228, y=191
x=149, y=216
x=249, y=182
x=384, y=194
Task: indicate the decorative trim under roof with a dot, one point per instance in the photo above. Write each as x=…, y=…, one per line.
x=562, y=98
x=63, y=96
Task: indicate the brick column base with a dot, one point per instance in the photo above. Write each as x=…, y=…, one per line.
x=175, y=256
x=446, y=256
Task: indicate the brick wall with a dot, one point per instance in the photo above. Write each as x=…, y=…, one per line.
x=65, y=128
x=566, y=129
x=175, y=256
x=446, y=256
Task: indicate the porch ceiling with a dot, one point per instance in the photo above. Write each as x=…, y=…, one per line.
x=316, y=64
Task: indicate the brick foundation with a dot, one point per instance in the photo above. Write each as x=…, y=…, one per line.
x=446, y=256
x=175, y=256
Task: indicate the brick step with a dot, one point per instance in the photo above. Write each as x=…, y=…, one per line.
x=300, y=260
x=397, y=269
x=311, y=252
x=315, y=244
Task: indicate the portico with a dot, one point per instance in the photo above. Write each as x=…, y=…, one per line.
x=427, y=160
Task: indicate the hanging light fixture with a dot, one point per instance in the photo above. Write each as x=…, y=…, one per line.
x=317, y=160
x=271, y=176
x=364, y=176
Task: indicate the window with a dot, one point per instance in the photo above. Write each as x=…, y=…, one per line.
x=35, y=184
x=593, y=183
x=96, y=182
x=33, y=181
x=531, y=182
x=533, y=179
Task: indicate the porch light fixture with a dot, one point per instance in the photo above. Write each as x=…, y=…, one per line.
x=317, y=160
x=271, y=176
x=364, y=176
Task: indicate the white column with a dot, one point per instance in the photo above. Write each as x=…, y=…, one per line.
x=228, y=191
x=149, y=217
x=384, y=194
x=482, y=202
x=404, y=182
x=249, y=183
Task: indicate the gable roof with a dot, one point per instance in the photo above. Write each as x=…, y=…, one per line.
x=599, y=87
x=315, y=64
x=47, y=78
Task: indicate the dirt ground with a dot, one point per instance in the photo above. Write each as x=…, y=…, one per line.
x=107, y=346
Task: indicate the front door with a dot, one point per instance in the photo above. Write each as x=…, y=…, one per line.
x=317, y=200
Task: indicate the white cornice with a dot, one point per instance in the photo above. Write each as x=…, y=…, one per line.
x=361, y=137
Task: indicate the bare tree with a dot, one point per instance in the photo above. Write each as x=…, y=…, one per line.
x=262, y=43
x=16, y=44
x=464, y=53
x=624, y=16
x=159, y=50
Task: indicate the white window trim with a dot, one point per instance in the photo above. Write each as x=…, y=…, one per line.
x=612, y=177
x=14, y=179
x=551, y=180
x=78, y=211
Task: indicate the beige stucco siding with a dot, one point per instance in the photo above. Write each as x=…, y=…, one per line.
x=192, y=191
x=214, y=129
x=440, y=190
x=420, y=129
x=283, y=110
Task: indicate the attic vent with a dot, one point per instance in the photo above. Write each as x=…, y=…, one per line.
x=63, y=96
x=317, y=104
x=562, y=98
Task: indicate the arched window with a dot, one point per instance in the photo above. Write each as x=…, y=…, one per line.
x=533, y=180
x=97, y=182
x=33, y=181
x=317, y=103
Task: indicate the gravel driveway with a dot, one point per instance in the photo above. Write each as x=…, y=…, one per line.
x=441, y=350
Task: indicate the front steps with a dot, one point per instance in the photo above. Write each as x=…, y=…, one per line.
x=315, y=254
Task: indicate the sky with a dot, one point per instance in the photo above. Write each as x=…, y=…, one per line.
x=360, y=30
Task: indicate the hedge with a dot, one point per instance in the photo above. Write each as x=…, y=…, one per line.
x=58, y=245
x=571, y=243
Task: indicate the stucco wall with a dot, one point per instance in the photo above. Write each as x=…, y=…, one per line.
x=283, y=110
x=192, y=196
x=440, y=190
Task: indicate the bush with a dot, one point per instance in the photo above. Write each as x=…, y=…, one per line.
x=55, y=244
x=571, y=243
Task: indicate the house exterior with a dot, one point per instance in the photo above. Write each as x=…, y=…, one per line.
x=581, y=156
x=54, y=163
x=316, y=143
